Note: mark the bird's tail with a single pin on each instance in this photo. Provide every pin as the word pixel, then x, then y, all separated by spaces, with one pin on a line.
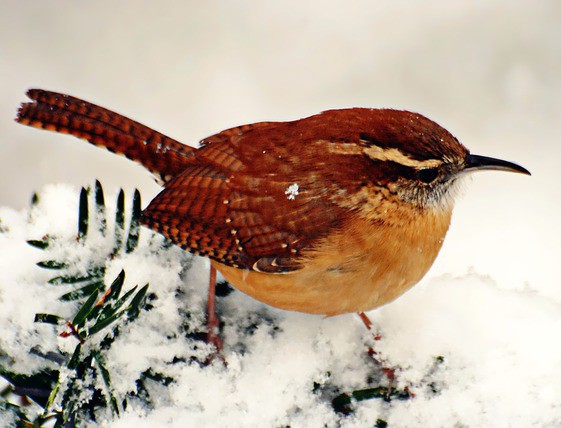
pixel 163 156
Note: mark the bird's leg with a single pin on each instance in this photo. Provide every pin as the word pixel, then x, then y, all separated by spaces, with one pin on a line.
pixel 213 323
pixel 364 318
pixel 376 336
pixel 368 324
pixel 390 373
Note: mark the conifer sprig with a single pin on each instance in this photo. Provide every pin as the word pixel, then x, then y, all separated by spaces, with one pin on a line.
pixel 82 383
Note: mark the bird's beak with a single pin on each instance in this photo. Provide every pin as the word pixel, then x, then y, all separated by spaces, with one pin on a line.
pixel 478 163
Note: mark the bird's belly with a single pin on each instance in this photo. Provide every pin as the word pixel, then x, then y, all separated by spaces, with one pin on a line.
pixel 348 273
pixel 328 292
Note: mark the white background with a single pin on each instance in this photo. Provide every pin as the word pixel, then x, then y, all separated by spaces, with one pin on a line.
pixel 489 71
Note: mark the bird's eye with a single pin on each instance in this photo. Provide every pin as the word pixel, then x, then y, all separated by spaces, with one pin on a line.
pixel 427 175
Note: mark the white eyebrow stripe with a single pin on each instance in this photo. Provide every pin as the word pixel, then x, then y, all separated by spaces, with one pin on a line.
pixel 394 155
pixel 342 148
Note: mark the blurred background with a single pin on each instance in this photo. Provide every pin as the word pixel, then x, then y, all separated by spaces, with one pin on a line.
pixel 487 70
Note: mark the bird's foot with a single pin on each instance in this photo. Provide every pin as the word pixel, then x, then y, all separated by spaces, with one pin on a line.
pixel 372 353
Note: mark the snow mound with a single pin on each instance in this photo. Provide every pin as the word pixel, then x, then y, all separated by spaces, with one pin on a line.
pixel 472 353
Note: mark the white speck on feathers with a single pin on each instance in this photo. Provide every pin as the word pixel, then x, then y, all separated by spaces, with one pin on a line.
pixel 292 191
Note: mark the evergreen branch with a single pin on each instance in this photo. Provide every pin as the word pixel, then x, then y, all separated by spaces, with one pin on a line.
pixel 123 299
pixel 101 324
pixel 100 207
pixel 39 243
pixel 134 228
pixel 48 319
pixel 17 411
pixel 83 214
pixel 86 309
pixel 75 359
pixel 94 273
pixel 106 380
pixel 137 303
pixel 82 292
pixel 116 287
pixel 93 316
pixel 342 402
pixel 52 264
pixel 119 222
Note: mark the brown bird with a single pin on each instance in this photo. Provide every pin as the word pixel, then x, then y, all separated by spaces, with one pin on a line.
pixel 339 212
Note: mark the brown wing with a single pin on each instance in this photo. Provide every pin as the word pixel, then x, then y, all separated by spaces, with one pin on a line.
pixel 247 202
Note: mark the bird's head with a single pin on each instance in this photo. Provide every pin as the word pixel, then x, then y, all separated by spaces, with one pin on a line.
pixel 409 158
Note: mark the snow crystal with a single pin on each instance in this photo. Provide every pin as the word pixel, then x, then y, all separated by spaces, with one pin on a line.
pixel 292 191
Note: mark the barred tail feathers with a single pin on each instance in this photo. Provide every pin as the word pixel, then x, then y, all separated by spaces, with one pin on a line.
pixel 163 156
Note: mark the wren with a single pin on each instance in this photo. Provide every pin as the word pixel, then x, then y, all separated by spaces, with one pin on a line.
pixel 339 212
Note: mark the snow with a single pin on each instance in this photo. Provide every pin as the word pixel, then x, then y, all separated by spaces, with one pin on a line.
pixel 292 191
pixel 488 71
pixel 500 362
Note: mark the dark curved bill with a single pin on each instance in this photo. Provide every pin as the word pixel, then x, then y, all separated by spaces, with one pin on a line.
pixel 478 163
